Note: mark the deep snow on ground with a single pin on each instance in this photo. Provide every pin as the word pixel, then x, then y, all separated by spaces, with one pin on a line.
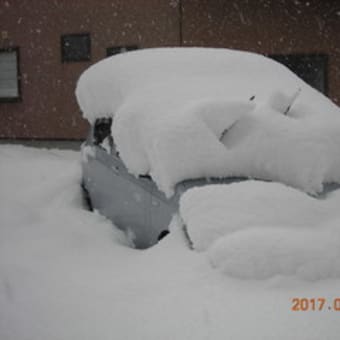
pixel 66 273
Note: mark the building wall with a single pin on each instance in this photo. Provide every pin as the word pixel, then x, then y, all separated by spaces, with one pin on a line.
pixel 268 27
pixel 48 108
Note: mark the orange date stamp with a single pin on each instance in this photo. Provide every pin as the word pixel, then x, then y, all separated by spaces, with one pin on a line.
pixel 315 304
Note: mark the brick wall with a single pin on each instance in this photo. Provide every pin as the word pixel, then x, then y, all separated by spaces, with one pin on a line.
pixel 48 108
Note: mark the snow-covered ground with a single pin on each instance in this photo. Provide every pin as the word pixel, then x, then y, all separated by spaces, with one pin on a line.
pixel 66 273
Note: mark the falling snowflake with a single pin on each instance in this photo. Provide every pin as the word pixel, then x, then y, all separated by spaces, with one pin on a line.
pixel 174 3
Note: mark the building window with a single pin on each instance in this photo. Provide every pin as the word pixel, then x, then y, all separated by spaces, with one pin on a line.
pixel 9 75
pixel 312 68
pixel 120 49
pixel 75 47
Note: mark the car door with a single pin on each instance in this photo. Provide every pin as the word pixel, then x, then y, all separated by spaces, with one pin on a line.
pixel 116 194
pixel 162 211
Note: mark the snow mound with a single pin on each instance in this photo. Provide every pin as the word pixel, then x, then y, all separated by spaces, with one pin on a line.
pixel 256 230
pixel 66 274
pixel 263 253
pixel 183 113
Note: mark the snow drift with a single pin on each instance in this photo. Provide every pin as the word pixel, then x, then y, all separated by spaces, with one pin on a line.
pixel 65 274
pixel 184 113
pixel 256 230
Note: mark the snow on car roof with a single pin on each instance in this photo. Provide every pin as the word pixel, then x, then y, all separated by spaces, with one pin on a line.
pixel 183 113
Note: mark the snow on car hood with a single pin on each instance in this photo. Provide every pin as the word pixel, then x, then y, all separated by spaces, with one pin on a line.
pixel 257 230
pixel 184 113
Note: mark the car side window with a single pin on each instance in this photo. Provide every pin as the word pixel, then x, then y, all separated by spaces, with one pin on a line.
pixel 102 135
pixel 102 129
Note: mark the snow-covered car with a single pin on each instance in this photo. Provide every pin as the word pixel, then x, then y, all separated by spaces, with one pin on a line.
pixel 166 120
pixel 133 203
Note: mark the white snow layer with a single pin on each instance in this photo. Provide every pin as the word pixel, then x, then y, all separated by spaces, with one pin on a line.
pixel 184 113
pixel 257 230
pixel 64 274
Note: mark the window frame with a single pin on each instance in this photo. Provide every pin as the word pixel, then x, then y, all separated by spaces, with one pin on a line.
pixel 64 58
pixel 321 57
pixel 18 98
pixel 127 48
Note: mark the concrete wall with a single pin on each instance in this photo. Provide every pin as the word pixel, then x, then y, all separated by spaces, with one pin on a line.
pixel 48 109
